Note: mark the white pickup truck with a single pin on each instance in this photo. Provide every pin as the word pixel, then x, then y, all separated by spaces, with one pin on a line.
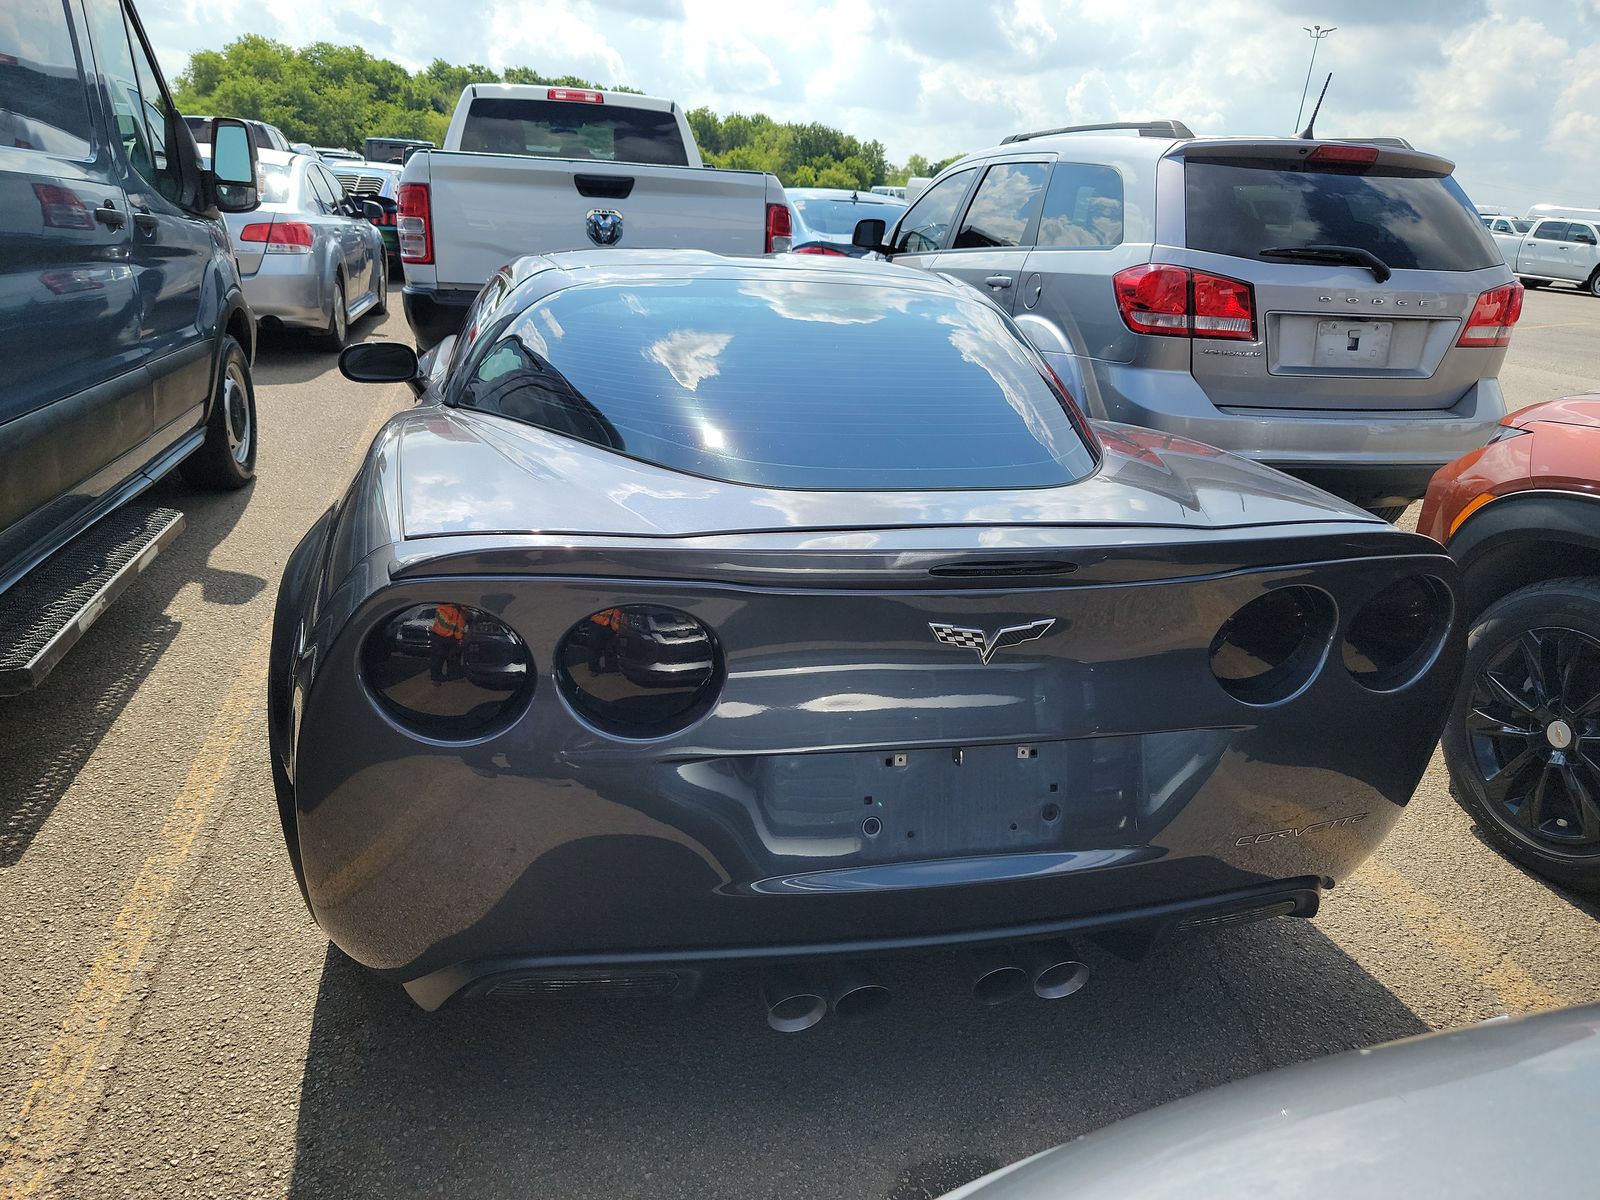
pixel 1555 249
pixel 534 169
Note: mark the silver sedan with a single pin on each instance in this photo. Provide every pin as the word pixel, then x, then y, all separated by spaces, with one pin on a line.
pixel 309 256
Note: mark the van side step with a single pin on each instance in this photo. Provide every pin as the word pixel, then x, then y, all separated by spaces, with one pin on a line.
pixel 45 613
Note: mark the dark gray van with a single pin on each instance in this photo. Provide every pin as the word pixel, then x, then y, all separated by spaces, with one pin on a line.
pixel 125 340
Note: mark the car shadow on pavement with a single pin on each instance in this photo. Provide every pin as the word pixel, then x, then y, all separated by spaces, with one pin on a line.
pixel 289 356
pixel 563 1098
pixel 47 735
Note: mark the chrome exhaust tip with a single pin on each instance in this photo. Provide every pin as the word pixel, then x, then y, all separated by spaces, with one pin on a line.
pixel 795 1000
pixel 997 976
pixel 855 992
pixel 1056 970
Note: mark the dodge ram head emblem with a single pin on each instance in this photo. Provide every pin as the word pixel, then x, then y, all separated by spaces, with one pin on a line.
pixel 983 644
pixel 604 226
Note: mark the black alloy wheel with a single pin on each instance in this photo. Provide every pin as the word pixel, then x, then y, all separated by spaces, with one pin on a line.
pixel 1523 744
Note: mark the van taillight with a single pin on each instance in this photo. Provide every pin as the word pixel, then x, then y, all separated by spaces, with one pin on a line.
pixel 1177 302
pixel 780 236
pixel 413 225
pixel 1496 311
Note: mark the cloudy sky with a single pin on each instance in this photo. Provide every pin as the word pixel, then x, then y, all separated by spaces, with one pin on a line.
pixel 1511 92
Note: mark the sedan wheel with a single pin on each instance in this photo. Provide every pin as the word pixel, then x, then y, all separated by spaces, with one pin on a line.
pixel 1524 742
pixel 338 331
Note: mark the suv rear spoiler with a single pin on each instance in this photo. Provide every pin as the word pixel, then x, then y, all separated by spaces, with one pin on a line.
pixel 1161 129
pixel 1391 157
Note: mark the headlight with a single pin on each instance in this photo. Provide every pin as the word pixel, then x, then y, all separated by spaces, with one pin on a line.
pixel 448 670
pixel 1271 648
pixel 639 670
pixel 1396 633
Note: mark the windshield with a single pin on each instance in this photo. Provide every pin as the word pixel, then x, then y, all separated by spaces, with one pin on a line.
pixel 787 384
pixel 840 216
pixel 573 129
pixel 1423 223
pixel 273 180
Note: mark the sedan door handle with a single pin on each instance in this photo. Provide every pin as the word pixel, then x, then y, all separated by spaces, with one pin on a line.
pixel 108 216
pixel 998 281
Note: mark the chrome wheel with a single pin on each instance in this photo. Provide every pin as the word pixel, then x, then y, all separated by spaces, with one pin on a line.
pixel 1533 734
pixel 236 414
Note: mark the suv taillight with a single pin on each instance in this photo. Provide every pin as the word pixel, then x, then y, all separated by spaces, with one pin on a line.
pixel 780 236
pixel 1177 302
pixel 1496 311
pixel 412 224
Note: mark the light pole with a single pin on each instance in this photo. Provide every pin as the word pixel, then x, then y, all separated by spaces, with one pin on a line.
pixel 1317 33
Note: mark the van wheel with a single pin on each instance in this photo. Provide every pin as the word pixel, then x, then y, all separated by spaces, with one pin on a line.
pixel 226 460
pixel 1523 740
pixel 337 333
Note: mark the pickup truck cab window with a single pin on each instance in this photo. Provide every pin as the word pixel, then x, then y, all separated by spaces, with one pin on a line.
pixel 573 129
pixel 1582 234
pixel 925 224
pixel 43 105
pixel 1003 210
pixel 1551 231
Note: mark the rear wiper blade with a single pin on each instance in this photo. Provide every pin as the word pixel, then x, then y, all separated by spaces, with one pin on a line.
pixel 1354 255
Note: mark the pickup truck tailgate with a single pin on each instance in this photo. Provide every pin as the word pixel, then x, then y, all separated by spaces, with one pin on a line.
pixel 489 208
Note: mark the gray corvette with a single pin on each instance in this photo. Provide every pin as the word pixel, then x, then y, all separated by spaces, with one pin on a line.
pixel 787 612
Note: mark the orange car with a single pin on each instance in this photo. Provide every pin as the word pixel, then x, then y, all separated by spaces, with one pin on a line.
pixel 1522 517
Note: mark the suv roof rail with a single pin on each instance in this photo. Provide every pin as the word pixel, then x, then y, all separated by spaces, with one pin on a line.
pixel 1165 129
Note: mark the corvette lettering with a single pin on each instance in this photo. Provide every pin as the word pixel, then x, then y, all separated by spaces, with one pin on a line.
pixel 1292 834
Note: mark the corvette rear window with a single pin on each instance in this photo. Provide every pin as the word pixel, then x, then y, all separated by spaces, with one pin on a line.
pixel 786 383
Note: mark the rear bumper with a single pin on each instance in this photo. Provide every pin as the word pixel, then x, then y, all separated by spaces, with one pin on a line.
pixel 1367 457
pixel 1127 932
pixel 288 288
pixel 434 315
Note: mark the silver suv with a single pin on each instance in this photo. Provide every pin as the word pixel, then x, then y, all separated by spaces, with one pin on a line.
pixel 1334 309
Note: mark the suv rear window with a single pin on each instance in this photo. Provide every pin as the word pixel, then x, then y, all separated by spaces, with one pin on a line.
pixel 573 129
pixel 1410 222
pixel 786 383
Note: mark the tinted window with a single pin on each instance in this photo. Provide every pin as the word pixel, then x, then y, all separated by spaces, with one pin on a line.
pixel 840 216
pixel 573 129
pixel 928 220
pixel 157 112
pixel 1083 207
pixel 42 101
pixel 1004 206
pixel 1551 231
pixel 1410 222
pixel 1580 233
pixel 788 383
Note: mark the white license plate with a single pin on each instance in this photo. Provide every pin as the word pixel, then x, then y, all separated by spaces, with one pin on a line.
pixel 1352 344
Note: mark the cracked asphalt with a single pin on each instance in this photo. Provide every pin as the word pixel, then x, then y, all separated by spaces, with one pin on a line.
pixel 172 1024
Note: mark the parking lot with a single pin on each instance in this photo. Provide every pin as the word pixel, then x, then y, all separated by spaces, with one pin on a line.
pixel 176 1025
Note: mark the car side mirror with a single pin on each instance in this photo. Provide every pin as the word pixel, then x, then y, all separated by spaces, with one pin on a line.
pixel 869 234
pixel 379 362
pixel 233 166
pixel 372 211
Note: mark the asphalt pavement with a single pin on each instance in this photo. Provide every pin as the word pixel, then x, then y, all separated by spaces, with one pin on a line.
pixel 172 1024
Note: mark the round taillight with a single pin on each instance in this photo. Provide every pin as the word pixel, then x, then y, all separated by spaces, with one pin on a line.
pixel 1396 634
pixel 1271 648
pixel 640 670
pixel 448 670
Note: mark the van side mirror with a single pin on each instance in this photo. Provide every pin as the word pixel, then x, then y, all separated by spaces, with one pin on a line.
pixel 869 234
pixel 379 362
pixel 233 166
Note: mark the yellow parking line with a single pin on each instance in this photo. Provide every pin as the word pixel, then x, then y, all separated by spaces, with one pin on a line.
pixel 58 1093
pixel 54 1095
pixel 1512 985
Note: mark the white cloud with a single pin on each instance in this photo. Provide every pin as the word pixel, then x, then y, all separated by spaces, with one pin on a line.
pixel 1509 92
